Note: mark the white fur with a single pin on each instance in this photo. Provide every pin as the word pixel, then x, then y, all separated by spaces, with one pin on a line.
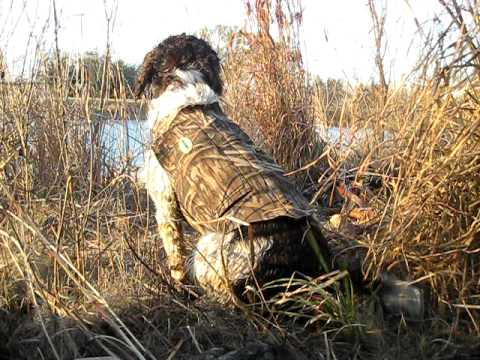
pixel 157 183
pixel 194 92
pixel 205 257
pixel 216 255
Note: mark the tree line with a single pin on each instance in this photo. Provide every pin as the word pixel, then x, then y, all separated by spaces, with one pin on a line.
pixel 90 73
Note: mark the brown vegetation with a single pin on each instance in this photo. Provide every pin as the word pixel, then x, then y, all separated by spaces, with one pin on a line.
pixel 81 269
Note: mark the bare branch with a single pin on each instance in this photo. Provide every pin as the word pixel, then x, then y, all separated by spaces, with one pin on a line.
pixel 379 34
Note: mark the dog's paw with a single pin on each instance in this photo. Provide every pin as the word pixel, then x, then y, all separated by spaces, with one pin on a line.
pixel 178 275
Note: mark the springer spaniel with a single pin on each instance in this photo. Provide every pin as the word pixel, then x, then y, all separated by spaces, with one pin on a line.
pixel 202 168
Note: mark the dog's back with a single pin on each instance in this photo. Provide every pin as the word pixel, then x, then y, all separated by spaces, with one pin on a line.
pixel 220 176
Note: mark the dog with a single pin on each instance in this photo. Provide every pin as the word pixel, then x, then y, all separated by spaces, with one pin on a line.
pixel 254 226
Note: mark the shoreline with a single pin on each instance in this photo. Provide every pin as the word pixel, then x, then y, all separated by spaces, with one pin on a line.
pixel 115 109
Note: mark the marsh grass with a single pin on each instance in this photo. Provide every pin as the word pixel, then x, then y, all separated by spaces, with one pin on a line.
pixel 282 121
pixel 82 271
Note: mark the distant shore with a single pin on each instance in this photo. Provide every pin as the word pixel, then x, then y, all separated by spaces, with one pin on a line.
pixel 116 108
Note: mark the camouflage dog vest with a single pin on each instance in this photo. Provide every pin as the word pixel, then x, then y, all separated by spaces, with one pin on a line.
pixel 219 177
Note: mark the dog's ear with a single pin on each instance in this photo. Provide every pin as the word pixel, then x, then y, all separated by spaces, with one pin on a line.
pixel 146 73
pixel 169 64
pixel 153 63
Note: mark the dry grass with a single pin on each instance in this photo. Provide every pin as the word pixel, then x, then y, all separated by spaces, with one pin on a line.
pixel 81 268
pixel 282 120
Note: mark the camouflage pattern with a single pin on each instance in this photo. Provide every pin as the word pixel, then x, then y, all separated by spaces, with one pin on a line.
pixel 221 180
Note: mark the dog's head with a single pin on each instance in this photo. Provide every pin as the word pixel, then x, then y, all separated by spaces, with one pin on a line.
pixel 179 52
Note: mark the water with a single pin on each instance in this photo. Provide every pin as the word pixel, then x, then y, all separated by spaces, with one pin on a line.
pixel 126 140
pixel 345 137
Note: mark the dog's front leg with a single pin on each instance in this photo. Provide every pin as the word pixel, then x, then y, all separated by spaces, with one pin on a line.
pixel 170 230
pixel 167 214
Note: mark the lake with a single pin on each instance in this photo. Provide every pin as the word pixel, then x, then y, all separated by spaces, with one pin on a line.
pixel 126 139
